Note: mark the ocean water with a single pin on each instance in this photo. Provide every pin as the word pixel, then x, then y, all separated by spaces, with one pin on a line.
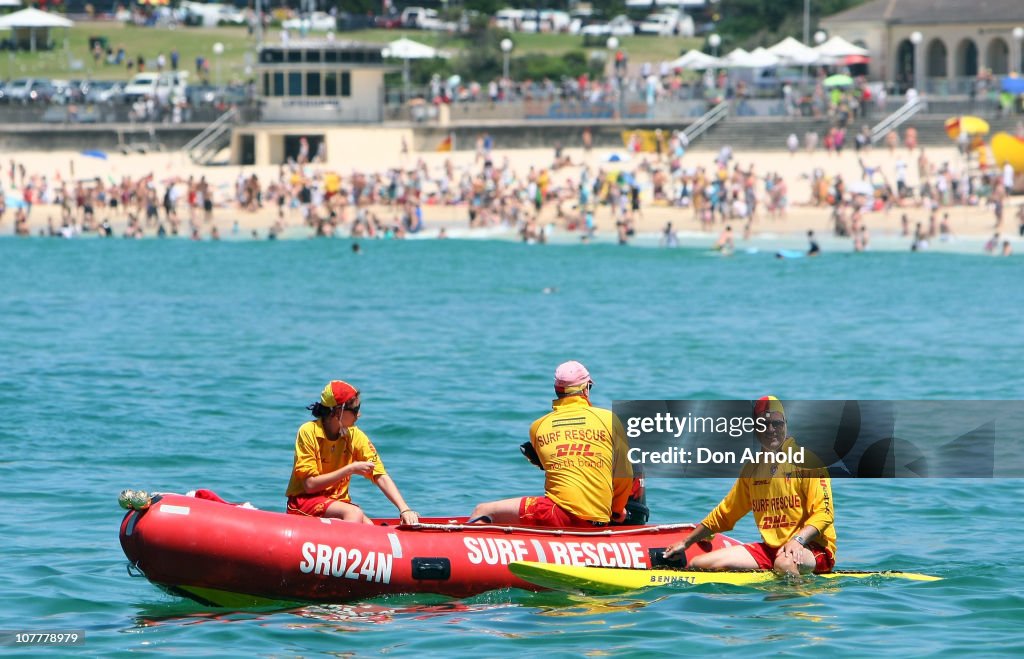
pixel 172 365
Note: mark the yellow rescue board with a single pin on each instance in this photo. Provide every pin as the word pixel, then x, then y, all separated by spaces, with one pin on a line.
pixel 609 580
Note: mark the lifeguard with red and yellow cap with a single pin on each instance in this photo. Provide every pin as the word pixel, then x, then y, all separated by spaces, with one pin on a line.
pixel 328 452
pixel 583 452
pixel 792 505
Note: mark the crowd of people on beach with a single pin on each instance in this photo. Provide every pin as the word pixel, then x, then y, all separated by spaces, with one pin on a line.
pixel 579 196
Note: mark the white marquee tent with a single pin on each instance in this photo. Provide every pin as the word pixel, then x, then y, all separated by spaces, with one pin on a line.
pixel 696 60
pixel 792 52
pixel 837 48
pixel 741 59
pixel 766 56
pixel 32 26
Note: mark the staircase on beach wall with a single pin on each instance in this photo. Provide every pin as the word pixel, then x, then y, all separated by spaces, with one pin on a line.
pixel 202 148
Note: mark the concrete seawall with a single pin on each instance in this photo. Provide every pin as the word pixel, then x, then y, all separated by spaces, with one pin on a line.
pixel 105 137
pixel 739 132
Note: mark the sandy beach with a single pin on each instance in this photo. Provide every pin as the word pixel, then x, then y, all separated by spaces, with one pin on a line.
pixel 971 225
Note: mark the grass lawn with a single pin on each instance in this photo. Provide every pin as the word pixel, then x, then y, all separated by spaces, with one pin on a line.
pixel 77 62
pixel 640 49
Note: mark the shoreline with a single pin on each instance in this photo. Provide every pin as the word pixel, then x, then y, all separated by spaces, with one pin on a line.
pixel 783 245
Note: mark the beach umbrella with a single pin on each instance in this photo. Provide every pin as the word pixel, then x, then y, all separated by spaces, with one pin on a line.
pixel 616 157
pixel 95 153
pixel 839 80
pixel 966 124
pixel 12 201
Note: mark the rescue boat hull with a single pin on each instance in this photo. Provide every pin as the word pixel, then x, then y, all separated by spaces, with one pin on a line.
pixel 228 555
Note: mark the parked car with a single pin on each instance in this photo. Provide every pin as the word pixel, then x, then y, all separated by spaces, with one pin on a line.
pixel 29 90
pixel 554 21
pixel 141 86
pixel 67 91
pixel 508 19
pixel 104 91
pixel 661 25
pixel 207 95
pixel 211 14
pixel 667 23
pixel 162 86
pixel 388 21
pixel 620 26
pixel 418 17
pixel 318 21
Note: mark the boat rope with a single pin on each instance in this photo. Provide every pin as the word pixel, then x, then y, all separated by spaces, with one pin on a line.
pixel 607 532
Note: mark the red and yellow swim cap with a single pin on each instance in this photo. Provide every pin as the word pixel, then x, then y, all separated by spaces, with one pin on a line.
pixel 337 392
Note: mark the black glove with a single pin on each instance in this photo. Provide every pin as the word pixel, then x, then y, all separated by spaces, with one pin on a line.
pixel 530 453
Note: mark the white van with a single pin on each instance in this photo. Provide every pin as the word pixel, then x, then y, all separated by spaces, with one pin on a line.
pixel 164 87
pixel 554 21
pixel 667 23
pixel 141 86
pixel 508 19
pixel 419 18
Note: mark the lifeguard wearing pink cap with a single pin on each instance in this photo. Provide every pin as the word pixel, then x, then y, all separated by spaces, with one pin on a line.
pixel 571 374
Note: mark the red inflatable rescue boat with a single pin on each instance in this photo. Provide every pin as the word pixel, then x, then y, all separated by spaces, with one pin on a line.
pixel 227 555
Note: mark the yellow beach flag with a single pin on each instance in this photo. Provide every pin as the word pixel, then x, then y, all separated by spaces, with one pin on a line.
pixel 447 144
pixel 640 141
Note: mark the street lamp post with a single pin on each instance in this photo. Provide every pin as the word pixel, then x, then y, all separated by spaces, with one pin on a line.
pixel 613 44
pixel 218 50
pixel 714 40
pixel 819 38
pixel 506 48
pixel 1018 36
pixel 916 38
pixel 807 39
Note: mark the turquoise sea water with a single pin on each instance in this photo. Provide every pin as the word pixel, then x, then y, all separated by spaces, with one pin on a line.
pixel 175 365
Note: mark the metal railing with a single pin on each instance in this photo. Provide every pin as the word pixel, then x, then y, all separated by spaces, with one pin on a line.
pixel 896 119
pixel 709 119
pixel 79 114
pixel 201 147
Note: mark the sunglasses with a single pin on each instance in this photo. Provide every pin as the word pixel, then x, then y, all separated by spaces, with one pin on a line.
pixel 354 409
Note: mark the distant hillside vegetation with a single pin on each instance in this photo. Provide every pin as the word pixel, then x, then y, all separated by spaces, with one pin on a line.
pixel 751 23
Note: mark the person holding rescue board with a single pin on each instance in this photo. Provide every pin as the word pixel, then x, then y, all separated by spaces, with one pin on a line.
pixel 792 505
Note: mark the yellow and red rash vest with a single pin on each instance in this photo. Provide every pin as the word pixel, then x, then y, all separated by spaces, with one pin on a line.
pixel 784 501
pixel 316 455
pixel 583 451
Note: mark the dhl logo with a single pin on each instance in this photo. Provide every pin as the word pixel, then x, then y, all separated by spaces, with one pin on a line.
pixel 776 522
pixel 564 450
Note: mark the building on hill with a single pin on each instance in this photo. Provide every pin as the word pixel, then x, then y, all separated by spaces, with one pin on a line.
pixel 953 39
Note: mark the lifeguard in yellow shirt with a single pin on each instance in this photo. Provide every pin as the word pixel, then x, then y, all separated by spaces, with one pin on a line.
pixel 583 452
pixel 328 452
pixel 792 506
